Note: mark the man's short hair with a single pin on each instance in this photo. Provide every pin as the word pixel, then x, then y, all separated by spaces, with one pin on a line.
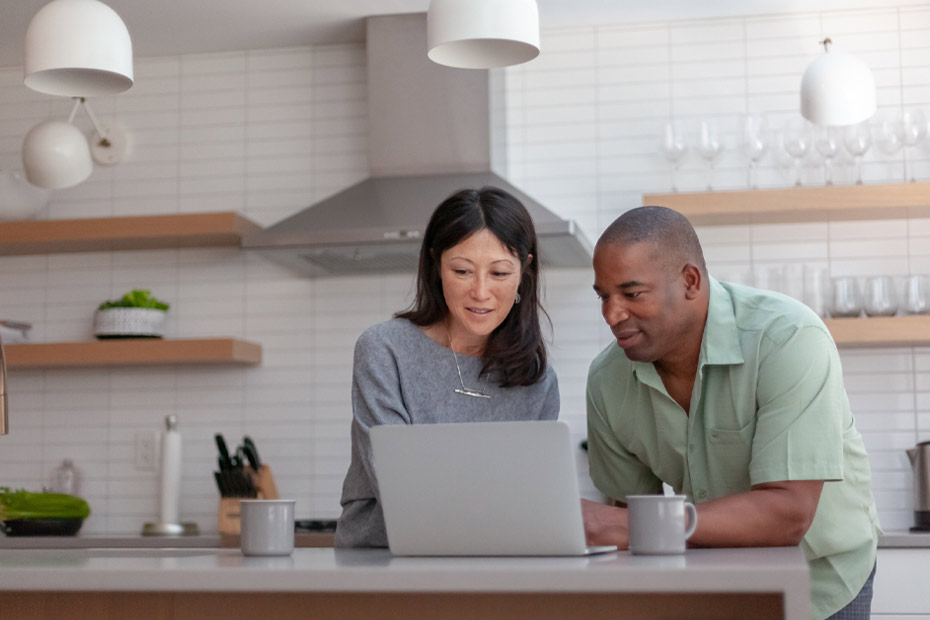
pixel 673 238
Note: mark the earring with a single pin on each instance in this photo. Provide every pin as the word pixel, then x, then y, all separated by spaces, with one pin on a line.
pixel 517 299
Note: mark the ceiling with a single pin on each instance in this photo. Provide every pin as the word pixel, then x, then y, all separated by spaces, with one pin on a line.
pixel 169 27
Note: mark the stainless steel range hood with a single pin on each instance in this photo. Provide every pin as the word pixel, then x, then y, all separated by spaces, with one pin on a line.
pixel 431 132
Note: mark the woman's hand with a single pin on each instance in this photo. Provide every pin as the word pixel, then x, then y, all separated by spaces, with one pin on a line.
pixel 605 525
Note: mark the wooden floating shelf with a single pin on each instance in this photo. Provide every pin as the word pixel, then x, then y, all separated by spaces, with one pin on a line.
pixel 885 331
pixel 800 204
pixel 133 351
pixel 149 232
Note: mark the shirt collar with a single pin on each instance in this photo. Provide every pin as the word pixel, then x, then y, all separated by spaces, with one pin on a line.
pixel 720 345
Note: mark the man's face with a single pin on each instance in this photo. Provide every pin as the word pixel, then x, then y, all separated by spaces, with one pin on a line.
pixel 643 302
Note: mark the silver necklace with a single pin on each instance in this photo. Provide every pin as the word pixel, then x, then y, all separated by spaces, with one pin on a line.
pixel 464 390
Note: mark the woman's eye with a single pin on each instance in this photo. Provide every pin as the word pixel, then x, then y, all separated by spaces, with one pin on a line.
pixel 500 274
pixel 461 272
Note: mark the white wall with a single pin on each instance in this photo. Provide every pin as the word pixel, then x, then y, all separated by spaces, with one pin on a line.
pixel 267 133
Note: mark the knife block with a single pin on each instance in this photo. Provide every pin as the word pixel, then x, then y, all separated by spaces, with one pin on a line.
pixel 228 520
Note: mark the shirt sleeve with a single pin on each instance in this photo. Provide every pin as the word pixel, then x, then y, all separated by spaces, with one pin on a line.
pixel 376 399
pixel 615 471
pixel 800 407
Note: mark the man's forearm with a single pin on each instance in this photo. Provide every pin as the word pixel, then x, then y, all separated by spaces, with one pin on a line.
pixel 770 515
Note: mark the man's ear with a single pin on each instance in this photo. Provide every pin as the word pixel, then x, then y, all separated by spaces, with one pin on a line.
pixel 693 280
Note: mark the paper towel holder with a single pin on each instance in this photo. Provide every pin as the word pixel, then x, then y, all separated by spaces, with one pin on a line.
pixel 162 527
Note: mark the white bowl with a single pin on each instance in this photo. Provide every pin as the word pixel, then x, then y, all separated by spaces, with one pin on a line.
pixel 129 323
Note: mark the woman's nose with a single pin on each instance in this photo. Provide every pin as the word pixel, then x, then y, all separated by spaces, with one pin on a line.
pixel 479 289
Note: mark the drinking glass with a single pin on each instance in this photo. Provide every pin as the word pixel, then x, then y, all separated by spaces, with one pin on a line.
pixel 880 298
pixel 709 147
pixel 858 139
pixel 817 289
pixel 914 129
pixel 796 137
pixel 826 141
pixel 753 144
pixel 846 301
pixel 674 149
pixel 916 295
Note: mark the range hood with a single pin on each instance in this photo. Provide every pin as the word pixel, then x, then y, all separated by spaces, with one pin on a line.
pixel 431 133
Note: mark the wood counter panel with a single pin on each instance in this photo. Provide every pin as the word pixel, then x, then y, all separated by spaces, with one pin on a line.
pixel 371 606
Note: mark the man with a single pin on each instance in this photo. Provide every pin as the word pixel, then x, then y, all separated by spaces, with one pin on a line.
pixel 734 397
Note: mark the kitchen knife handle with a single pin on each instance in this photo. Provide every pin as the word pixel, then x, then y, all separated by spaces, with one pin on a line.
pixel 225 462
pixel 252 453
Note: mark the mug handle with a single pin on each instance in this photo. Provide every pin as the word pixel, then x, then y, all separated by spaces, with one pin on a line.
pixel 692 519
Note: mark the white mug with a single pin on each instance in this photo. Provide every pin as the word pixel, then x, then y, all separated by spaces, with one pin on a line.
pixel 657 523
pixel 267 527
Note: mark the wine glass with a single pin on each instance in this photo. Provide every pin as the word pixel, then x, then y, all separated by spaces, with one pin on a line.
pixel 914 128
pixel 753 144
pixel 858 139
pixel 796 137
pixel 827 144
pixel 709 147
pixel 674 149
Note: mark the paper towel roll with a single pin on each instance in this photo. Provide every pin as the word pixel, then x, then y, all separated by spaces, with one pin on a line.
pixel 170 470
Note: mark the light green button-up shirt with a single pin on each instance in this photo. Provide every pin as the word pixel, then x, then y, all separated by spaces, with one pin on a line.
pixel 768 405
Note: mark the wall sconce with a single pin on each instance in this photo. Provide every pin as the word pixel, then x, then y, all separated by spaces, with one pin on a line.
pixel 56 154
pixel 482 34
pixel 77 48
pixel 837 89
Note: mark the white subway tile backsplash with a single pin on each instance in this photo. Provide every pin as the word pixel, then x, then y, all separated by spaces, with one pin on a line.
pixel 269 132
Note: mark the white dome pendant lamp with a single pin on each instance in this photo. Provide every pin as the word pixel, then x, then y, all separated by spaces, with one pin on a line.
pixel 77 48
pixel 837 89
pixel 482 34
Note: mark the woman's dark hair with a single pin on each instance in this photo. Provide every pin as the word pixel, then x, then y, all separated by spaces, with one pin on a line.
pixel 515 351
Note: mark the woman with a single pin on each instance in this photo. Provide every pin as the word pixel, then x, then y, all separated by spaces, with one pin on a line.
pixel 469 349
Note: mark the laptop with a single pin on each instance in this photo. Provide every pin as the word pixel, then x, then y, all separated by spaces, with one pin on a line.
pixel 480 489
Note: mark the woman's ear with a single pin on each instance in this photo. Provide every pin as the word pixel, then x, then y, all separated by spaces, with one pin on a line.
pixel 528 261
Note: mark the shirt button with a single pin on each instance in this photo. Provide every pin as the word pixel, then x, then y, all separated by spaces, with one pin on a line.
pixel 690 447
pixel 702 493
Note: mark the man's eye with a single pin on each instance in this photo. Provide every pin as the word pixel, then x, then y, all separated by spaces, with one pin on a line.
pixel 633 295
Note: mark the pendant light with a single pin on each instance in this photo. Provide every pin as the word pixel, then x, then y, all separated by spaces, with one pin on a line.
pixel 482 34
pixel 77 48
pixel 837 89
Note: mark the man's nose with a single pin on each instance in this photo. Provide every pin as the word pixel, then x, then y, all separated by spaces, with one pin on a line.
pixel 615 311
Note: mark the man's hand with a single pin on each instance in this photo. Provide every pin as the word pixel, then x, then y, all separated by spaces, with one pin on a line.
pixel 605 525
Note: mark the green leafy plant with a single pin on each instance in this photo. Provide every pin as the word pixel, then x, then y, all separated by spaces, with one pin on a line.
pixel 136 298
pixel 21 504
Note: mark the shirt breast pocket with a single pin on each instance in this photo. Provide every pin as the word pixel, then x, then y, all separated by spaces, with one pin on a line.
pixel 729 454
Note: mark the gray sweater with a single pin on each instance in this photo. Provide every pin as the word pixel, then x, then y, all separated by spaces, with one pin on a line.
pixel 401 376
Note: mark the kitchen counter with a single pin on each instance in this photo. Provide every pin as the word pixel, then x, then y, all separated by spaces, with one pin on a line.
pixel 903 538
pixel 332 583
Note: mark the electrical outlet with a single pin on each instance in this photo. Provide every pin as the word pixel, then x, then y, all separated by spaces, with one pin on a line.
pixel 146 450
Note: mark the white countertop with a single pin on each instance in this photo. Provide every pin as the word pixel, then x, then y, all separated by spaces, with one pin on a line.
pixel 330 570
pixel 311 571
pixel 904 538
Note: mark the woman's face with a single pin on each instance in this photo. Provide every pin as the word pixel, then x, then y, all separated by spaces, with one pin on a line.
pixel 480 277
